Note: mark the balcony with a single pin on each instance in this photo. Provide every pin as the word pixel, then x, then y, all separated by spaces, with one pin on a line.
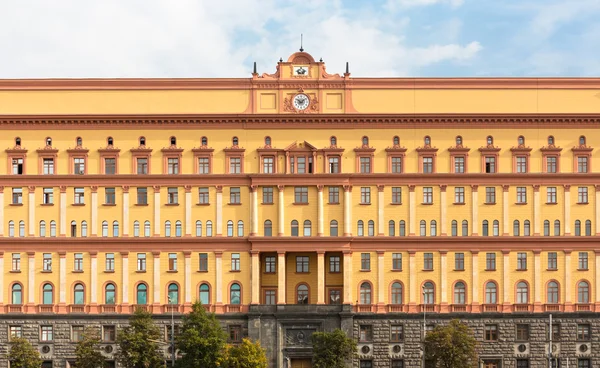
pixel 77 308
pixel 233 308
pixel 109 308
pixel 143 307
pixel 522 308
pixel 45 308
pixel 491 308
pixel 552 308
pixel 14 308
pixel 459 308
pixel 428 308
pixel 171 308
pixel 583 307
pixel 364 308
pixel 207 307
pixel 395 308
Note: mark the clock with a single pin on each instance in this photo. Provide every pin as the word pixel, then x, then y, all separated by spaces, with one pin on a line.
pixel 301 101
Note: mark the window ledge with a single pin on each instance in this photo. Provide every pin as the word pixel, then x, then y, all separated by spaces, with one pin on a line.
pixel 77 271
pixel 300 203
pixel 140 271
pixel 551 203
pixel 396 270
pixel 171 204
pixel 459 203
pixel 490 203
pixel 425 270
pixel 235 271
pixel 520 203
pixel 427 204
pixel 109 271
pixel 459 269
pixel 16 204
pixel 551 269
pixel 172 271
pixel 15 271
pixel 47 204
pixel 365 204
pixel 490 269
pixel 109 204
pixel 202 271
pixel 395 204
pixel 583 269
pixel 365 270
pixel 583 203
pixel 202 204
pixel 141 204
pixel 46 271
pixel 334 203
pixel 234 204
pixel 521 269
pixel 78 204
pixel 267 204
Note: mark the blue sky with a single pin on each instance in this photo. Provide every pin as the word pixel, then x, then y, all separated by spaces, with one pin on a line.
pixel 392 38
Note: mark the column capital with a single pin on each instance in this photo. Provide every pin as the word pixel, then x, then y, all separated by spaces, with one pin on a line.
pixel 411 252
pixel 30 254
pixel 347 252
pixel 474 252
pixel 380 252
pixel 505 251
pixel 1 253
pixel 380 188
pixel 320 251
pixel 1 189
pixel 187 253
pixel 63 188
pixel 505 188
pixel 537 252
pixel 567 187
pixel 443 188
pixel 567 251
pixel 443 252
pixel 597 187
pixel 281 252
pixel 253 188
pixel 156 188
pixel 411 188
pixel 218 253
pixel 474 187
pixel 156 253
pixel 31 189
pixel 93 253
pixel 188 188
pixel 281 188
pixel 597 251
pixel 347 188
pixel 62 254
pixel 255 252
pixel 94 188
pixel 125 189
pixel 536 188
pixel 320 188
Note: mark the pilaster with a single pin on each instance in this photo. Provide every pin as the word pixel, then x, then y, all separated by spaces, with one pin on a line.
pixel 31 289
pixel 567 210
pixel 62 283
pixel 255 278
pixel 63 212
pixel 125 277
pixel 381 282
pixel 537 281
pixel 281 277
pixel 321 276
pixel 281 212
pixel 1 280
pixel 254 211
pixel 94 277
pixel 156 211
pixel 380 210
pixel 156 285
pixel 219 208
pixel 412 210
pixel 568 304
pixel 443 210
pixel 348 282
pixel 94 209
pixel 1 212
pixel 444 280
pixel 475 209
pixel 125 189
pixel 537 211
pixel 475 307
pixel 30 212
pixel 506 287
pixel 347 211
pixel 188 210
pixel 320 211
pixel 187 306
pixel 219 308
pixel 505 221
pixel 412 281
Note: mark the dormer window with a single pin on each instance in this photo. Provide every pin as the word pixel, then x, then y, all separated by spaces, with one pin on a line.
pixel 110 142
pixel 49 141
pixel 18 142
pixel 173 141
pixel 396 141
pixel 78 141
pixel 551 141
pixel 333 141
pixel 459 141
pixel 204 142
pixel 521 140
pixel 267 141
pixel 365 141
pixel 142 141
pixel 490 140
pixel 235 141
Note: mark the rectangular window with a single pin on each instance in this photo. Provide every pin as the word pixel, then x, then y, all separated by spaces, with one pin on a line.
pixel 173 165
pixel 582 195
pixel 552 261
pixel 203 264
pixel 521 164
pixel 234 195
pixel 335 296
pixel 301 168
pixel 141 262
pixel 172 261
pixel 270 264
pixel 235 333
pixel 491 333
pixel 235 165
pixel 77 333
pixel 427 165
pixel 110 166
pixel 334 264
pixel 490 195
pixel 235 261
pixel 16 262
pixel 110 262
pixel 583 260
pixel 459 261
pixel 584 363
pixel 428 195
pixel 397 165
pixel 268 165
pixel 521 195
pixel 396 195
pixel 302 264
pixel 397 261
pixel 365 165
pixel 47 333
pixel 365 364
pixel 79 166
pixel 270 297
pixel 78 266
pixel 490 261
pixel 521 261
pixel 551 164
pixel 172 195
pixel 203 195
pixel 459 195
pixel 17 195
pixel 267 195
pixel 365 333
pixel 522 363
pixel 78 196
pixel 203 165
pixel 109 195
pixel 490 165
pixel 522 332
pixel 365 262
pixel 555 332
pixel 17 165
pixel 582 164
pixel 334 165
pixel 47 264
pixel 459 165
pixel 109 333
pixel 428 261
pixel 551 195
pixel 16 331
pixel 142 195
pixel 300 194
pixel 365 195
pixel 142 165
pixel 334 195
pixel 396 333
pixel 48 166
pixel 397 363
pixel 583 332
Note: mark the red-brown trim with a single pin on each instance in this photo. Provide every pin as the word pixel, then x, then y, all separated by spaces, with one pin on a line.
pixel 44 153
pixel 140 152
pixel 109 152
pixel 202 152
pixel 234 152
pixel 520 151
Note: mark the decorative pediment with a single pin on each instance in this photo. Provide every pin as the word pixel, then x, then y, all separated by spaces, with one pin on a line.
pixel 551 148
pixel 16 149
pixel 47 150
pixel 582 148
pixel 490 148
pixel 142 148
pixel 302 146
pixel 396 149
pixel 427 149
pixel 521 149
pixel 172 149
pixel 78 149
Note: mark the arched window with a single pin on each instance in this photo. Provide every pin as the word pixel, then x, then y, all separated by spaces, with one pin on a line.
pixel 423 227
pixel 454 228
pixel 307 228
pixel 360 228
pixel 230 228
pixel 465 228
pixel 147 229
pixel 73 228
pixel 105 228
pixel 17 294
pixel 53 228
pixel 583 292
pixel 21 228
pixel 485 228
pixel 42 228
pixel 522 293
pixel 294 228
pixel 18 142
pixel 490 140
pixel 110 141
pixel 556 227
pixel 240 228
pixel 11 228
pixel 204 141
pixel 491 293
pixel 365 293
pixel 550 140
pixel 204 294
pixel 110 294
pixel 235 294
pixel 396 141
pixel 178 230
pixel 142 294
pixel 173 141
pixel 78 294
pixel 84 228
pixel 142 141
pixel 47 294
pixel 267 141
pixel 198 228
pixel 333 141
pixel 582 140
pixel 78 141
pixel 302 294
pixel 115 228
pixel 521 140
pixel 588 228
pixel 396 293
pixel 459 141
pixel 235 141
pixel 365 141
pixel 167 228
pixel 371 227
pixel 136 229
pixel 209 228
pixel 391 228
pixel 428 293
pixel 402 227
pixel 552 295
pixel 460 293
pixel 268 228
pixel 432 228
pixel 577 228
pixel 173 295
pixel 48 141
pixel 516 228
pixel 333 228
pixel 496 228
pixel 427 141
pixel 526 228
pixel 546 228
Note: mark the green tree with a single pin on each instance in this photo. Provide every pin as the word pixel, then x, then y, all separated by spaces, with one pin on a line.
pixel 248 354
pixel 201 341
pixel 332 349
pixel 87 350
pixel 451 346
pixel 22 354
pixel 138 343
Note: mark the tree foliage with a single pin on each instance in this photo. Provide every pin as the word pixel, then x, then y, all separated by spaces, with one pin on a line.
pixel 138 343
pixel 201 341
pixel 451 346
pixel 22 354
pixel 87 350
pixel 332 349
pixel 248 354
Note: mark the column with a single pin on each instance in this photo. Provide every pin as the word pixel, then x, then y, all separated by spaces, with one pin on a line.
pixel 567 210
pixel 219 206
pixel 475 283
pixel 347 210
pixel 597 209
pixel 1 212
pixel 219 281
pixel 443 210
pixel 63 212
pixel 348 283
pixel 94 277
pixel 475 208
pixel 281 212
pixel 156 287
pixel 31 289
pixel 156 204
pixel 537 281
pixel 31 213
pixel 254 204
pixel 380 213
pixel 567 268
pixel 94 217
pixel 537 211
pixel 505 221
pixel 444 281
pixel 381 288
pixel 187 306
pixel 125 206
pixel 255 279
pixel 188 210
pixel 596 282
pixel 412 210
pixel 2 280
pixel 412 281
pixel 280 277
pixel 320 214
pixel 506 286
pixel 125 278
pixel 62 282
pixel 320 277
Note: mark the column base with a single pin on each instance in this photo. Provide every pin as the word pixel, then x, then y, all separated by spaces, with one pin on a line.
pixel 444 308
pixel 320 303
pixel 381 308
pixel 156 308
pixel 412 308
pixel 125 308
pixel 538 307
pixel 319 234
pixel 251 234
pixel 219 308
pixel 61 308
pixel 29 308
pixel 62 235
pixel 475 307
pixel 279 234
pixel 569 307
pixel 93 308
pixel 507 308
pixel 187 307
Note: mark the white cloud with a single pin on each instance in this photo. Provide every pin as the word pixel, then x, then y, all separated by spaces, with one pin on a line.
pixel 551 16
pixel 395 4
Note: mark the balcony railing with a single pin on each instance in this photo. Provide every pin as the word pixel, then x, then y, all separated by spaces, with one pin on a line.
pixel 428 308
pixel 233 308
pixel 171 308
pixel 395 308
pixel 583 307
pixel 363 308
pixel 109 308
pixel 491 308
pixel 143 307
pixel 458 308
pixel 45 308
pixel 207 307
pixel 552 308
pixel 77 308
pixel 15 308
pixel 521 308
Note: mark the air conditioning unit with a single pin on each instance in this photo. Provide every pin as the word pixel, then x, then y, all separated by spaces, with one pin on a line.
pixel 555 349
pixel 522 349
pixel 395 349
pixel 46 350
pixel 584 349
pixel 365 350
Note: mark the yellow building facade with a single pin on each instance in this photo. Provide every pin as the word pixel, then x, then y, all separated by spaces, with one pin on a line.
pixel 394 195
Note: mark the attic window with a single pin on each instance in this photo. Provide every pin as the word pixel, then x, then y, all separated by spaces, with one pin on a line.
pixel 110 141
pixel 142 141
pixel 48 141
pixel 18 142
pixel 204 141
pixel 173 141
pixel 78 141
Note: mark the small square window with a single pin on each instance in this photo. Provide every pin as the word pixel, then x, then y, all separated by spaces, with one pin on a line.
pixel 203 259
pixel 235 261
pixel 77 333
pixel 109 333
pixel 172 195
pixel 365 261
pixel 491 333
pixel 396 333
pixel 522 332
pixel 267 195
pixel 235 195
pixel 366 333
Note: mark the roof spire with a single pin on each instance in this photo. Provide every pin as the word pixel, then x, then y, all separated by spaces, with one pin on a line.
pixel 301 48
pixel 347 68
pixel 254 72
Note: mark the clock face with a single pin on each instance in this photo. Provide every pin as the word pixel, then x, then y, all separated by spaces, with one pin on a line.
pixel 301 101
